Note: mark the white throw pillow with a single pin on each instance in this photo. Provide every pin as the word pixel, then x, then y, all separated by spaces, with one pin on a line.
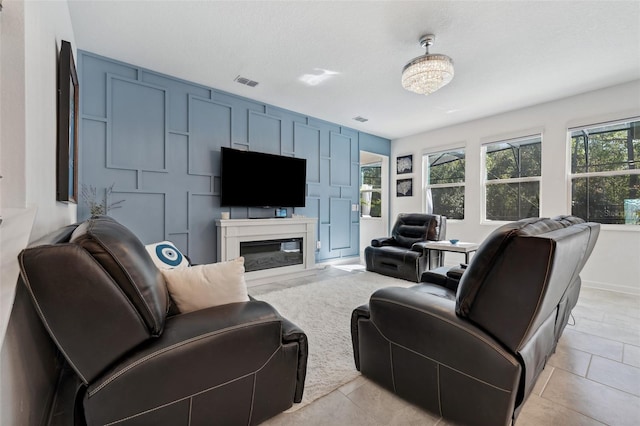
pixel 203 286
pixel 166 255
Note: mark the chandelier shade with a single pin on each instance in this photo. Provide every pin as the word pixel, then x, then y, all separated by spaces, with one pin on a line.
pixel 429 72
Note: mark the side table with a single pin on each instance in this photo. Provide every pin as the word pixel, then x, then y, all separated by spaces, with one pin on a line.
pixel 459 247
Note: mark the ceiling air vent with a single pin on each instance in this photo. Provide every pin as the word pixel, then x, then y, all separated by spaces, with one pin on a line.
pixel 246 81
pixel 360 119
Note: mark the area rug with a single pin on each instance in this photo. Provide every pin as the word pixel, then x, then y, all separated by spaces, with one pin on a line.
pixel 323 310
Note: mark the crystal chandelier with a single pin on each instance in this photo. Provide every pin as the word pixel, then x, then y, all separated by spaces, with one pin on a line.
pixel 427 73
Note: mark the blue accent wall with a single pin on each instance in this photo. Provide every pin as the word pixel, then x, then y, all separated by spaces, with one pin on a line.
pixel 157 140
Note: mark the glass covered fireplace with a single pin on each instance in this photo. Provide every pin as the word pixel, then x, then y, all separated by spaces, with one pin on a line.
pixel 268 254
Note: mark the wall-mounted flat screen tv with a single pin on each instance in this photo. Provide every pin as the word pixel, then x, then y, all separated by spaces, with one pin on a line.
pixel 256 179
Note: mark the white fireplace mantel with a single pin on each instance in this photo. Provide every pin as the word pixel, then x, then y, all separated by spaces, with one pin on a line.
pixel 232 232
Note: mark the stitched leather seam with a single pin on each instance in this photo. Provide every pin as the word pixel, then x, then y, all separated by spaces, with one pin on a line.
pixel 174 346
pixel 46 323
pixel 473 293
pixel 115 285
pixel 197 393
pixel 157 327
pixel 393 377
pixel 142 413
pixel 439 395
pixel 253 398
pixel 499 350
pixel 438 363
pixel 542 293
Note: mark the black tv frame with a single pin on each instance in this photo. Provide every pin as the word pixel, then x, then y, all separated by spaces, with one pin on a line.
pixel 258 179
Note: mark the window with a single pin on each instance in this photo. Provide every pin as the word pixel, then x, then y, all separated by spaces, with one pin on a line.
pixel 605 179
pixel 444 183
pixel 371 190
pixel 512 181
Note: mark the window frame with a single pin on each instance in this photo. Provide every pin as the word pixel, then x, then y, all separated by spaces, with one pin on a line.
pixel 426 173
pixel 484 181
pixel 610 173
pixel 372 190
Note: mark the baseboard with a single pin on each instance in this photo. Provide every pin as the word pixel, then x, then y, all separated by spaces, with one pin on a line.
pixel 612 287
pixel 341 260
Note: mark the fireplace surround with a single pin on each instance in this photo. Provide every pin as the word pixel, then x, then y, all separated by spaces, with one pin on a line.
pixel 273 248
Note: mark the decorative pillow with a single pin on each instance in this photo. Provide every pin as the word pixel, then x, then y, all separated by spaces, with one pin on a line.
pixel 203 286
pixel 166 255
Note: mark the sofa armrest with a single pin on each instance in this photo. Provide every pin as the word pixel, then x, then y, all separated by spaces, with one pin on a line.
pixel 359 312
pixel 438 334
pixel 383 241
pixel 291 333
pixel 436 257
pixel 435 276
pixel 448 277
pixel 237 346
pixel 456 272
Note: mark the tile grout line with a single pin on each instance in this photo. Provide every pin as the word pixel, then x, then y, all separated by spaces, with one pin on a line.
pixel 586 373
pixel 553 369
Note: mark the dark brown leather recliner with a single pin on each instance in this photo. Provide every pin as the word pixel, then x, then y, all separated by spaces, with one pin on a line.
pixel 105 305
pixel 473 356
pixel 402 255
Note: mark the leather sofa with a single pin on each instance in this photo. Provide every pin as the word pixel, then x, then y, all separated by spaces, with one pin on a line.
pixel 128 361
pixel 402 255
pixel 472 355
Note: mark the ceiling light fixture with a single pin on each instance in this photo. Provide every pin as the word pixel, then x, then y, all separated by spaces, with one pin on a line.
pixel 429 72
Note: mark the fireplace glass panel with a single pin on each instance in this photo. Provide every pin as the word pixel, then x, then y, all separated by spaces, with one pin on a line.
pixel 268 254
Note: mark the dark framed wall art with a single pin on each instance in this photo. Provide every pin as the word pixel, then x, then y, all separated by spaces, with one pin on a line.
pixel 67 142
pixel 404 164
pixel 404 187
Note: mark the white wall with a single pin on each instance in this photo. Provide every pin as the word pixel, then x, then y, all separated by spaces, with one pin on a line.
pixel 31 34
pixel 46 25
pixel 615 262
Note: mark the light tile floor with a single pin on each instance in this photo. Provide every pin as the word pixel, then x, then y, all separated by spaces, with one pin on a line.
pixel 592 379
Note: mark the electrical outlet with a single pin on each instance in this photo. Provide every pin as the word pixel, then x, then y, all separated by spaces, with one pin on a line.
pixel 318 245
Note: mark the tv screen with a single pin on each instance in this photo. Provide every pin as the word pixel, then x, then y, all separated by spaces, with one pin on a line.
pixel 256 179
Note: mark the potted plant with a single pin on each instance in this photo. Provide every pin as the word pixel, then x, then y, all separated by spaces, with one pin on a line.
pixel 99 207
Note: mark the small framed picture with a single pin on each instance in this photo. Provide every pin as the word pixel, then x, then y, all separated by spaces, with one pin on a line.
pixel 404 187
pixel 404 164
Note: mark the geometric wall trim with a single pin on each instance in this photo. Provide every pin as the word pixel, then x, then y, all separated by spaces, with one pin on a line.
pixel 265 133
pixel 156 140
pixel 340 146
pixel 339 239
pixel 209 130
pixel 306 141
pixel 138 144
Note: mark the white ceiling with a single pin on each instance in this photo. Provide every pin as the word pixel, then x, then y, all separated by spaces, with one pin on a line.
pixel 507 54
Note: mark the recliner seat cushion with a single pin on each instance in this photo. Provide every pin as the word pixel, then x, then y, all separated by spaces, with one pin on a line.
pixel 396 254
pixel 125 259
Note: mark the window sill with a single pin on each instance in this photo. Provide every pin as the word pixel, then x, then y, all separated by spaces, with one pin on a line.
pixel 620 228
pixel 603 227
